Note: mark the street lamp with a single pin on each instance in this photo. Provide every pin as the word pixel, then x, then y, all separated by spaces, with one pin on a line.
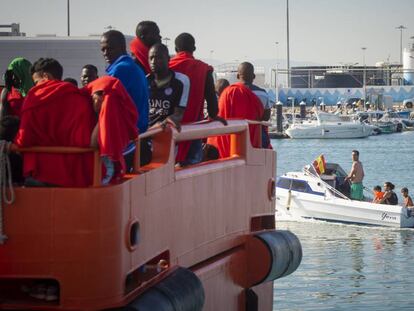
pixel 166 39
pixel 277 52
pixel 363 55
pixel 276 72
pixel 401 28
pixel 68 13
pixel 211 54
pixel 287 39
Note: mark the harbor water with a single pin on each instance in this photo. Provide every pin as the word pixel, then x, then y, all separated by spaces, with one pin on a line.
pixel 351 267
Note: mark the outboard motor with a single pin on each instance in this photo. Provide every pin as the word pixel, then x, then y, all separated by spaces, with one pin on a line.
pixel 407 218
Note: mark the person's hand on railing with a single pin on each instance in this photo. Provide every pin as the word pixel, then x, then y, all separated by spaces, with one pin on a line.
pixel 173 122
pixel 220 119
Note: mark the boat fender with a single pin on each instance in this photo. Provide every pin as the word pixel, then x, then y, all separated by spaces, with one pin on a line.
pixel 272 255
pixel 181 291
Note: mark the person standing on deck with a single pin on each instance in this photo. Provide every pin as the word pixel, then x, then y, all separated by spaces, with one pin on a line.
pixel 238 101
pixel 147 34
pixel 221 85
pixel 246 76
pixel 201 88
pixel 168 89
pixel 123 67
pixel 18 82
pixel 355 176
pixel 89 73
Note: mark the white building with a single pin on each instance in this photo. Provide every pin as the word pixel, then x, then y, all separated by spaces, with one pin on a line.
pixel 71 52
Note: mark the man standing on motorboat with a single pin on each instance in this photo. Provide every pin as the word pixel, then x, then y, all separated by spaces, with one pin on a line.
pixel 355 176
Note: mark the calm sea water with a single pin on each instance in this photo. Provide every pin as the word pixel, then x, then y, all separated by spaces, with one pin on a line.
pixel 347 267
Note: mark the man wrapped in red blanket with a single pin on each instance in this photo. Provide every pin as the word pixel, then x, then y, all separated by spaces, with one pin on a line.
pixel 117 119
pixel 55 113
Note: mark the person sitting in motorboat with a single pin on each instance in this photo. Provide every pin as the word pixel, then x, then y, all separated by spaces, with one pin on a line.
pixel 378 194
pixel 389 197
pixel 407 201
pixel 355 176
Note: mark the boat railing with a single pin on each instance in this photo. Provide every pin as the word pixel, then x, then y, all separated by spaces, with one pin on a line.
pixel 97 166
pixel 237 129
pixel 329 187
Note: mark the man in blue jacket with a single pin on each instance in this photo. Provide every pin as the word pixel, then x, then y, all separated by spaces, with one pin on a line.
pixel 123 67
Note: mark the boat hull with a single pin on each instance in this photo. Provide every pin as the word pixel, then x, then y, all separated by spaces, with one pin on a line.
pixel 325 131
pixel 191 233
pixel 341 210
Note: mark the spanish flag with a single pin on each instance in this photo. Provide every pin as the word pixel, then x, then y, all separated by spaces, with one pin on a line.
pixel 319 164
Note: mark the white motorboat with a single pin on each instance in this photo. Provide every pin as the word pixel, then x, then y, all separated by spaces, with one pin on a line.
pixel 329 125
pixel 306 194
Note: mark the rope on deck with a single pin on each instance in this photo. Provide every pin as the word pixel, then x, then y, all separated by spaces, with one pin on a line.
pixel 6 183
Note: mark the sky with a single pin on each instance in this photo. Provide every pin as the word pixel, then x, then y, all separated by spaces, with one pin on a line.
pixel 326 32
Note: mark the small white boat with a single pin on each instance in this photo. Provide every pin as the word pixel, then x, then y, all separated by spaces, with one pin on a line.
pixel 306 194
pixel 329 125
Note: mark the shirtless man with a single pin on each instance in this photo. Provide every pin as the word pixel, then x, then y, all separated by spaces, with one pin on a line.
pixel 355 176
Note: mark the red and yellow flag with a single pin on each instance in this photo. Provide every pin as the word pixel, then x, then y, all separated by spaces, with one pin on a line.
pixel 319 164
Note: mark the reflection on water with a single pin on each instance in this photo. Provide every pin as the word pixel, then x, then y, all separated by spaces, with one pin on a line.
pixel 347 267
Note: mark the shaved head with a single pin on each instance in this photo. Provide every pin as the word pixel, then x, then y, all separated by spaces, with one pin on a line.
pixel 245 72
pixel 185 42
pixel 148 32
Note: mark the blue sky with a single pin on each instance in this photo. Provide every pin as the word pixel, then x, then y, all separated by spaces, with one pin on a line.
pixel 322 31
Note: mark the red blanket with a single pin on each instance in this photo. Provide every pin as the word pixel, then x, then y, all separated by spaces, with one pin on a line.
pixel 196 71
pixel 56 113
pixel 15 100
pixel 140 50
pixel 117 119
pixel 238 102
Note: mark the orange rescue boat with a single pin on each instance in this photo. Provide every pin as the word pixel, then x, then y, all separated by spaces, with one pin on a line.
pixel 165 238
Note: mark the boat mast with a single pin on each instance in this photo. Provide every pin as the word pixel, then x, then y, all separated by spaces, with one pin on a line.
pixel 68 12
